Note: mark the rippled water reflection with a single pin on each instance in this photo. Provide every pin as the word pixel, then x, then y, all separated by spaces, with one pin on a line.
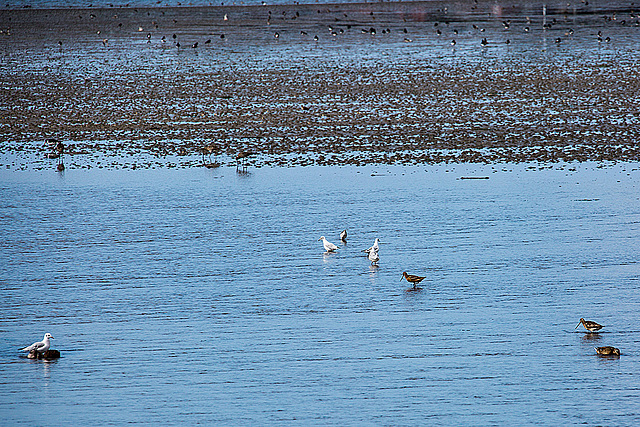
pixel 204 296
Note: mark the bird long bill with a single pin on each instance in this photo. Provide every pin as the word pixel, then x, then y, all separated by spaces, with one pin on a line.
pixel 577 325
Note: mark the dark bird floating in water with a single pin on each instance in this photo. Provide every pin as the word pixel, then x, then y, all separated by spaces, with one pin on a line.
pixel 607 351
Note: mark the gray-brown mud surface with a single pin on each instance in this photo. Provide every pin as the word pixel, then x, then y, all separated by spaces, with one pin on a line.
pixel 301 85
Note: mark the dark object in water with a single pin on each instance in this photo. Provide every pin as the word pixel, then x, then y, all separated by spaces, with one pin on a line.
pixel 474 177
pixel 607 351
pixel 47 355
pixel 60 167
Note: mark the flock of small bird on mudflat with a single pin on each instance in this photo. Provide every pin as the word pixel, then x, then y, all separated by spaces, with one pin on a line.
pixel 335 32
pixel 372 252
pixel 345 23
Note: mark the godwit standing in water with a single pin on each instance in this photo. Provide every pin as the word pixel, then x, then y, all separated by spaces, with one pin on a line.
pixel 414 280
pixel 209 149
pixel 589 325
pixel 242 156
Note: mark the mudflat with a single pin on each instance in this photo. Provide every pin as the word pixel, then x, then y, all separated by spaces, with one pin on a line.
pixel 386 83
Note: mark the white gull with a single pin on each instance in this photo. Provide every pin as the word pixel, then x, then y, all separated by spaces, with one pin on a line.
pixel 373 257
pixel 328 246
pixel 40 346
pixel 375 247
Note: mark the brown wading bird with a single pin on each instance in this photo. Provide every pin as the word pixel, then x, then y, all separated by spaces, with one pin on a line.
pixel 414 280
pixel 589 325
pixel 242 156
pixel 60 151
pixel 209 149
pixel 608 351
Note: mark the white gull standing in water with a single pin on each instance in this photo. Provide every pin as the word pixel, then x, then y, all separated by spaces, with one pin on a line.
pixel 375 247
pixel 328 246
pixel 373 257
pixel 40 346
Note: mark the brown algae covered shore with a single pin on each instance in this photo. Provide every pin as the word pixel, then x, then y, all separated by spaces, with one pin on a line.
pixel 321 84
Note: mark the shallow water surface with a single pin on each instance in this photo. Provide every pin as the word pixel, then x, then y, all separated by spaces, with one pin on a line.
pixel 204 296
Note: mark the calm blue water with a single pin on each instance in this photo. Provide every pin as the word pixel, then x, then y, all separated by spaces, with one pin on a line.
pixel 201 296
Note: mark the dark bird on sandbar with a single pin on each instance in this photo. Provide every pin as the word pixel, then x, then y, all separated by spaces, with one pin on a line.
pixel 608 351
pixel 414 280
pixel 589 325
